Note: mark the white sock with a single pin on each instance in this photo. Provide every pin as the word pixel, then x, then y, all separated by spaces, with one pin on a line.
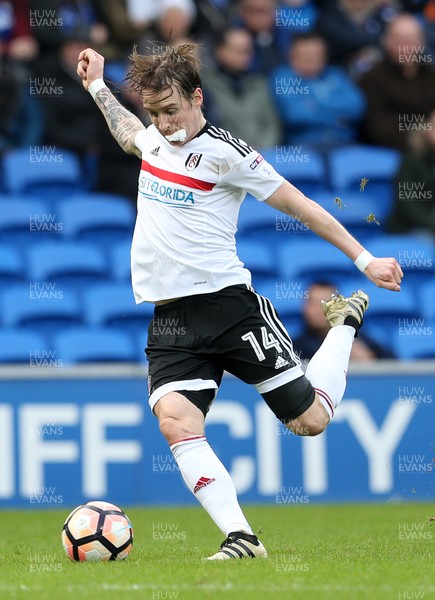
pixel 328 368
pixel 207 478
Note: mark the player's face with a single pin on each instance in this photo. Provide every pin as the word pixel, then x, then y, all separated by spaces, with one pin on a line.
pixel 177 119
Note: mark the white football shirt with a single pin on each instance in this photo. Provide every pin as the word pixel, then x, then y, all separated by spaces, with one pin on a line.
pixel 188 204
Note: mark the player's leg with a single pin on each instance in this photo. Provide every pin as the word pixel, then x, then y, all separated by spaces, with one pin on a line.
pixel 304 403
pixel 327 369
pixel 183 380
pixel 178 418
pixel 182 424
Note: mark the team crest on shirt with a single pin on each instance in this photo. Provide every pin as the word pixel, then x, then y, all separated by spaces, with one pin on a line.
pixel 192 161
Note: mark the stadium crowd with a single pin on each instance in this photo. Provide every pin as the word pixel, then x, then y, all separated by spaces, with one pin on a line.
pixel 314 74
pixel 320 73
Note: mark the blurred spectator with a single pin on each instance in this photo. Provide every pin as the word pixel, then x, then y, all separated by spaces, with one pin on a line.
pixel 318 104
pixel 414 6
pixel 72 122
pixel 145 22
pixel 20 115
pixel 259 17
pixel 172 18
pixel 241 100
pixel 428 22
pixel 414 209
pixel 123 33
pixel 353 30
pixel 71 116
pixel 297 16
pixel 16 38
pixel 400 90
pixel 316 327
pixel 20 112
pixel 175 19
pixel 212 18
pixel 52 20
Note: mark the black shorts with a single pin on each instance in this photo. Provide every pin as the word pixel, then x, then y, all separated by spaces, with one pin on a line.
pixel 192 341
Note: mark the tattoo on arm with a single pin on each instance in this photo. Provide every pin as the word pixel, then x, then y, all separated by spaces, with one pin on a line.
pixel 122 123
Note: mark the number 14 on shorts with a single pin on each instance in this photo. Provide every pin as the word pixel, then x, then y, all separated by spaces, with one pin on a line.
pixel 268 340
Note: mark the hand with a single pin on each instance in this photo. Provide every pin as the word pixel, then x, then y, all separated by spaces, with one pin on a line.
pixel 385 273
pixel 90 66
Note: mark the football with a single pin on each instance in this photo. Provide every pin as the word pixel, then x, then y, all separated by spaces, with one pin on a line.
pixel 97 531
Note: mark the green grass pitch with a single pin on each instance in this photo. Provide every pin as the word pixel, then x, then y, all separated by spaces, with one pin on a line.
pixel 321 552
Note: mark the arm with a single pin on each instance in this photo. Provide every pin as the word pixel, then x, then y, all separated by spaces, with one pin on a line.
pixel 384 272
pixel 123 124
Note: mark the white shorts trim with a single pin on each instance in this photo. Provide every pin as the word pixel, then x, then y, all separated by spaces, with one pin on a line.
pixel 186 384
pixel 278 380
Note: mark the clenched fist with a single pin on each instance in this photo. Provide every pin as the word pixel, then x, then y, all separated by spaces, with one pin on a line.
pixel 385 273
pixel 90 66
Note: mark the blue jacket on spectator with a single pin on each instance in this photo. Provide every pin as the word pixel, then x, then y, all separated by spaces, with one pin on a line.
pixel 322 110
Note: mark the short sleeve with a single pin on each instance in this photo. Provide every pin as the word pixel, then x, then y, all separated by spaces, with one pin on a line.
pixel 254 175
pixel 140 139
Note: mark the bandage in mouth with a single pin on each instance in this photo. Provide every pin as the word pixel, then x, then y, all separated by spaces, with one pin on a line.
pixel 178 136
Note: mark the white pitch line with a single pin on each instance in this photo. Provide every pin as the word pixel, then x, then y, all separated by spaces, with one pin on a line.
pixel 137 587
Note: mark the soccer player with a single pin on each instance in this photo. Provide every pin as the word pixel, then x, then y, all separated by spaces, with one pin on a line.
pixel 207 317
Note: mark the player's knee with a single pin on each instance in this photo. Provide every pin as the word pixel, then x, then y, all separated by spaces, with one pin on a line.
pixel 311 423
pixel 178 418
pixel 316 427
pixel 169 427
pixel 307 428
pixel 317 421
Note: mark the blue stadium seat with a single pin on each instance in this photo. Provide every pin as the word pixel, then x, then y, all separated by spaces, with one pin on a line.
pixel 42 169
pixel 115 71
pixel 140 342
pixel 22 346
pixel 120 261
pixel 384 302
pixel 303 166
pixel 81 345
pixel 348 165
pixel 101 218
pixel 426 295
pixel 417 341
pixel 294 327
pixel 43 307
pixel 287 297
pixel 257 257
pixel 352 209
pixel 25 221
pixel 387 310
pixel 351 163
pixel 257 219
pixel 11 265
pixel 306 260
pixel 72 264
pixel 112 304
pixel 358 281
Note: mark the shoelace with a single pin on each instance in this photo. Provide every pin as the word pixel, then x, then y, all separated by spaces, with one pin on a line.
pixel 228 541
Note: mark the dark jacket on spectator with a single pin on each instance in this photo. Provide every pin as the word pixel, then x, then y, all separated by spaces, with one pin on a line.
pixel 415 189
pixel 396 105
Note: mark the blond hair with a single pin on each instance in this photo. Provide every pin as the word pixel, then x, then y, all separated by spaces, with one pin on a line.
pixel 177 66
